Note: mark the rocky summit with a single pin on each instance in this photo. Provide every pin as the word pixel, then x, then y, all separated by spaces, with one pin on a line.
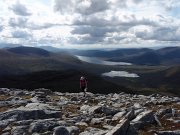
pixel 43 112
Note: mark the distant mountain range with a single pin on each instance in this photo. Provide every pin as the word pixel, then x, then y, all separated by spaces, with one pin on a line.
pixel 142 56
pixel 29 67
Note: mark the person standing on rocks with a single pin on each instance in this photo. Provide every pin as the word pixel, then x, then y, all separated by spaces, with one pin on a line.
pixel 83 84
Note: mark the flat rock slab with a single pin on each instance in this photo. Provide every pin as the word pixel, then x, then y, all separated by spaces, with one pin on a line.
pixel 19 115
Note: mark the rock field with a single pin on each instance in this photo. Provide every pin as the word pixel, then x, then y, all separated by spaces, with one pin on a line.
pixel 43 112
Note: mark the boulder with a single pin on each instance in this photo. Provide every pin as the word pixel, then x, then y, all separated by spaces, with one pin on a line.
pixel 19 130
pixel 61 131
pixel 120 129
pixel 119 115
pixel 95 109
pixel 109 111
pixel 145 117
pixel 73 130
pixel 19 115
pixel 97 121
pixel 130 115
pixel 42 126
pixel 41 106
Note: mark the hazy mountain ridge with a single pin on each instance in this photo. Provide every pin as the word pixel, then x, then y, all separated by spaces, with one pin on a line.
pixel 164 56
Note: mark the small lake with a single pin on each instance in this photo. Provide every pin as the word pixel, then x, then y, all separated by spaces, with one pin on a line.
pixel 101 62
pixel 120 74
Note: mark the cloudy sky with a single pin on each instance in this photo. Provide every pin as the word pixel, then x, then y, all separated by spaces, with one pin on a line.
pixel 90 23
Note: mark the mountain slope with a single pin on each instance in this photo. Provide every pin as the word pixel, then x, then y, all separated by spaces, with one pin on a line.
pixel 22 60
pixel 164 56
pixel 65 81
pixel 29 51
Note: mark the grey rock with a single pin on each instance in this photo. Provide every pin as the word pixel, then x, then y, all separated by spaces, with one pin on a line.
pixel 23 122
pixel 138 111
pixel 20 130
pixel 86 133
pixel 93 131
pixel 118 115
pixel 131 131
pixel 42 126
pixel 74 99
pixel 30 114
pixel 137 125
pixel 176 132
pixel 61 131
pixel 120 129
pixel 73 130
pixel 82 124
pixel 95 109
pixel 145 117
pixel 137 106
pixel 130 115
pixel 4 91
pixel 85 108
pixel 164 111
pixel 44 91
pixel 5 123
pixel 109 111
pixel 41 106
pixel 157 121
pixel 97 121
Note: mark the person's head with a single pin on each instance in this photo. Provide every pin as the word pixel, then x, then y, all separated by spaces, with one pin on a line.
pixel 82 78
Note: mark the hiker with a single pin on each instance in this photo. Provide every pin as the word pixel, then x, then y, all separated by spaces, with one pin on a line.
pixel 83 84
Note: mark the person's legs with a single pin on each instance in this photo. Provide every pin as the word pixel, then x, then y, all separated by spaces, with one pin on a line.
pixel 83 90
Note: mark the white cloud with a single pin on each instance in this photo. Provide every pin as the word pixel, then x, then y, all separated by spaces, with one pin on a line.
pixel 97 22
pixel 20 9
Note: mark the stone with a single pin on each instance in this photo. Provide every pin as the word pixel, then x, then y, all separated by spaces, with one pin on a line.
pixel 131 131
pixel 41 106
pixel 61 131
pixel 30 114
pixel 84 108
pixel 176 132
pixel 42 126
pixel 81 124
pixel 118 115
pixel 93 131
pixel 97 121
pixel 44 91
pixel 120 129
pixel 23 122
pixel 5 123
pixel 19 130
pixel 145 117
pixel 130 115
pixel 95 109
pixel 137 106
pixel 164 111
pixel 157 121
pixel 109 111
pixel 73 130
